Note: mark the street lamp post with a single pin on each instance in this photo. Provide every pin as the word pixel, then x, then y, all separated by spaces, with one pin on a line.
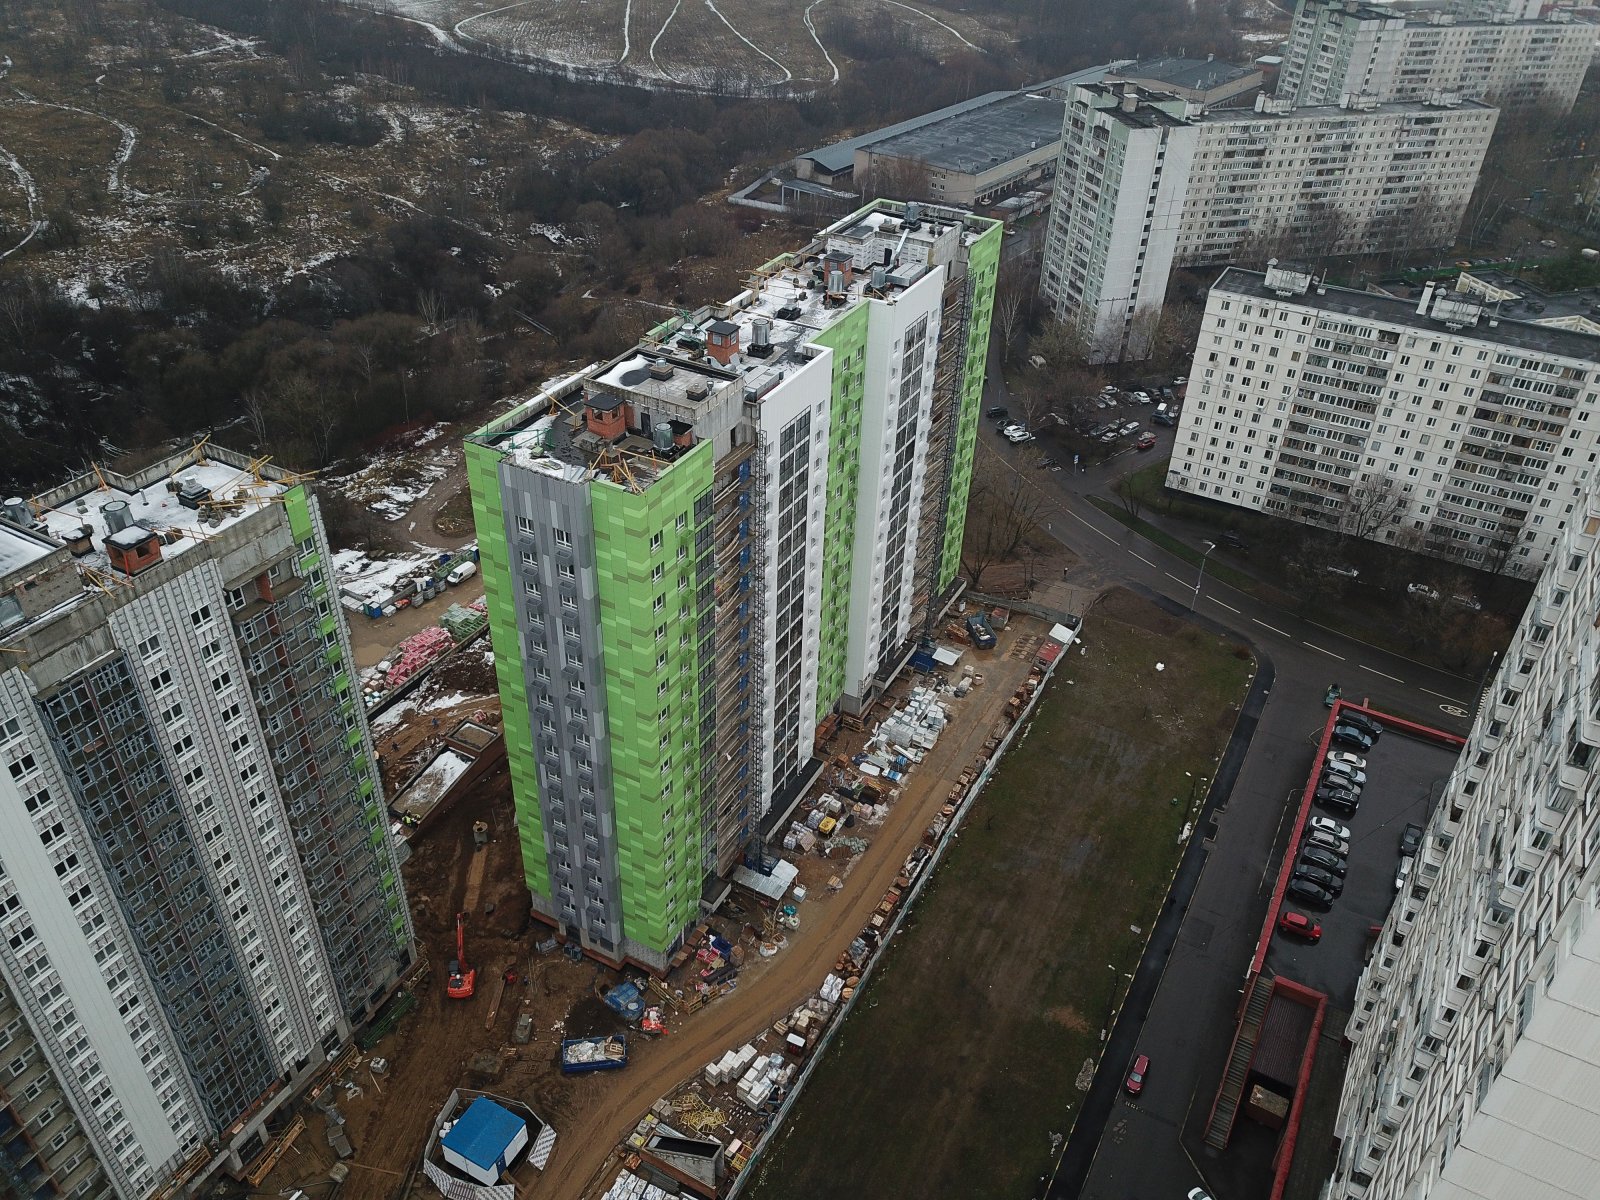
pixel 1200 578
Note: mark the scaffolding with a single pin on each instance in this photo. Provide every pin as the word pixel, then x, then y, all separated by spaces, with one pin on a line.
pixel 738 659
pixel 944 428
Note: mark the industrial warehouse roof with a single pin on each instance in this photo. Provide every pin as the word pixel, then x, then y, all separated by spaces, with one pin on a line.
pixel 967 115
pixel 978 139
pixel 1197 74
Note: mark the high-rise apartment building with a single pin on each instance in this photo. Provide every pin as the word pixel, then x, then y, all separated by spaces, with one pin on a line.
pixel 1147 182
pixel 697 551
pixel 1474 1069
pixel 199 899
pixel 1441 424
pixel 1341 48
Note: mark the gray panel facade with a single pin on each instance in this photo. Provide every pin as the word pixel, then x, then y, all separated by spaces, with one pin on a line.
pixel 103 737
pixel 550 535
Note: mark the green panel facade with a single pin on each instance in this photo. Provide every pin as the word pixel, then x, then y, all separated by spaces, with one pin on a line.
pixel 983 261
pixel 488 515
pixel 645 550
pixel 847 338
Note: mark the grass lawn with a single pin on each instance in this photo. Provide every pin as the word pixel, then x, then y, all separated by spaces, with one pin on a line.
pixel 961 1058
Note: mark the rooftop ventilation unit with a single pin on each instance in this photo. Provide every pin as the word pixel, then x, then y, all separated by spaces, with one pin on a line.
pixel 661 370
pixel 697 391
pixel 117 515
pixel 17 511
pixel 760 338
pixel 661 436
pixel 790 311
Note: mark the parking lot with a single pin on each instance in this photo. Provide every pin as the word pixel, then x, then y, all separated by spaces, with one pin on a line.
pixel 1405 776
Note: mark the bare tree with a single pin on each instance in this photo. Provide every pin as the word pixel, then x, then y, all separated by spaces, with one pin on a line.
pixel 1126 491
pixel 1013 305
pixel 896 179
pixel 1000 514
pixel 1372 505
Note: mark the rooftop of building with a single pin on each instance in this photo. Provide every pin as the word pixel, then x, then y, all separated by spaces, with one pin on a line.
pixel 1423 16
pixel 763 335
pixel 981 138
pixel 1268 109
pixel 1198 74
pixel 107 525
pixel 1467 314
pixel 1136 107
pixel 1519 299
pixel 967 114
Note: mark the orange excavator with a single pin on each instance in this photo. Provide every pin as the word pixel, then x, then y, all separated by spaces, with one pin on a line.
pixel 463 976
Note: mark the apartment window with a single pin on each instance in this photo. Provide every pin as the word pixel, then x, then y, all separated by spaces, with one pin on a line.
pixel 529 558
pixel 657 572
pixel 200 615
pixel 563 538
pixel 149 646
pixel 655 543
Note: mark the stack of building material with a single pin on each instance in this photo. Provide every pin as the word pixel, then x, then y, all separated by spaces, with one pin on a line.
pixel 629 1186
pixel 766 1073
pixel 831 989
pixel 462 623
pixel 730 1066
pixel 416 652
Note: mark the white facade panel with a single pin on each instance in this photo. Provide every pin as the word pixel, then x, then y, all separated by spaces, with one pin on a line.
pixel 63 974
pixel 800 407
pixel 884 502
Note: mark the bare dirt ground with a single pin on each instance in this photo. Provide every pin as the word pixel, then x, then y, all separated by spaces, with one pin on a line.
pixel 431 1050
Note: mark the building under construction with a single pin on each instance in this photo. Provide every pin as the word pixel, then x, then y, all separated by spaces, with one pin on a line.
pixel 697 551
pixel 199 900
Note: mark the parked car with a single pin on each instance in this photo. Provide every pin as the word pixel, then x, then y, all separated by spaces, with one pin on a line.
pixel 1403 872
pixel 1233 541
pixel 1299 925
pixel 1466 602
pixel 1354 774
pixel 1325 860
pixel 1131 428
pixel 1147 441
pixel 1137 1070
pixel 1110 389
pixel 1180 381
pixel 1046 462
pixel 1345 756
pixel 1142 397
pixel 1198 1194
pixel 1326 880
pixel 1164 418
pixel 1422 590
pixel 1339 800
pixel 1350 735
pixel 1104 402
pixel 1410 839
pixel 997 413
pixel 1110 435
pixel 1018 436
pixel 1329 825
pixel 1343 570
pixel 1324 840
pixel 1362 722
pixel 1309 893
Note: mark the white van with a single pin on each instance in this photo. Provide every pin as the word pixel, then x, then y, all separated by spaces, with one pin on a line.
pixel 461 572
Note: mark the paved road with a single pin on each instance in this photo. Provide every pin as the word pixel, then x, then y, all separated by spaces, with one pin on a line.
pixel 1182 1002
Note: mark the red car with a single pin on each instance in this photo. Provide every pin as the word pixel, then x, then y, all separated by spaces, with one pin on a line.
pixel 1146 441
pixel 1136 1073
pixel 1299 925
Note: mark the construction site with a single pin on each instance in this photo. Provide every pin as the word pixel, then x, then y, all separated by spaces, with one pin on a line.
pixel 764 976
